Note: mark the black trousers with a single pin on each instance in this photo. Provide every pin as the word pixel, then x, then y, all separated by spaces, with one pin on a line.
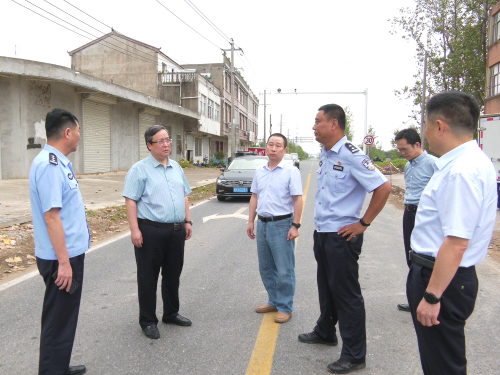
pixel 59 317
pixel 442 347
pixel 408 225
pixel 340 298
pixel 161 249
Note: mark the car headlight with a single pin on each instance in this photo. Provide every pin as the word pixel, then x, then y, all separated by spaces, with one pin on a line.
pixel 221 182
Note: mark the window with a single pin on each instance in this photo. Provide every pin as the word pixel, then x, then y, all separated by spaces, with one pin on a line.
pixel 211 109
pixel 179 145
pixel 227 113
pixel 219 146
pixel 217 112
pixel 496 28
pixel 197 146
pixel 203 104
pixel 227 82
pixel 495 80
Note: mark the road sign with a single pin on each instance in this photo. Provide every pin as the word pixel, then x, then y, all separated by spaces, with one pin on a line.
pixel 369 140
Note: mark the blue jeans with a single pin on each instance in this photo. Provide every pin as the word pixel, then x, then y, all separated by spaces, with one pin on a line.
pixel 277 262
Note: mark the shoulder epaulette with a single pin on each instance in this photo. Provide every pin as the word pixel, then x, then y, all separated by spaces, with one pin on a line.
pixel 351 147
pixel 53 159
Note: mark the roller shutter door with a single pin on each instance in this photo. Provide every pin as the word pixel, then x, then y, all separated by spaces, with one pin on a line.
pixel 145 121
pixel 97 137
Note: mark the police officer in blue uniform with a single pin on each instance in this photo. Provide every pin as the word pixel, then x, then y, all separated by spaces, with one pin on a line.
pixel 345 176
pixel 61 239
pixel 453 228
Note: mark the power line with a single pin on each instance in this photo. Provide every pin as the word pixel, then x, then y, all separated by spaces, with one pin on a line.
pixel 88 14
pixel 208 40
pixel 205 18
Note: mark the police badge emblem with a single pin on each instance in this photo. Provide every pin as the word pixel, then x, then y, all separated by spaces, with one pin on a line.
pixel 70 176
pixel 320 163
pixel 367 163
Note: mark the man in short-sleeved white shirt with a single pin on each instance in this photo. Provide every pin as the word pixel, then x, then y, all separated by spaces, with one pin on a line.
pixel 453 228
pixel 277 200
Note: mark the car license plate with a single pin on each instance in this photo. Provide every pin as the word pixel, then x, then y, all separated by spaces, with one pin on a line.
pixel 240 190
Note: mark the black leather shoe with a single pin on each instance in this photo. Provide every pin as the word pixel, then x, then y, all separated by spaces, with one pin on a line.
pixel 152 332
pixel 404 307
pixel 77 370
pixel 313 338
pixel 344 367
pixel 178 320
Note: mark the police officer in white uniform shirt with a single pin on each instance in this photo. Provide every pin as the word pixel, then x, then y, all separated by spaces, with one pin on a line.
pixel 345 176
pixel 453 229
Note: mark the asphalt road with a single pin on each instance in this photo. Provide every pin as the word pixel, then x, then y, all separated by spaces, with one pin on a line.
pixel 220 288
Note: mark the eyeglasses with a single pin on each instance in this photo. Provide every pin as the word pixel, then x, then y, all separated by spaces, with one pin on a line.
pixel 163 141
pixel 404 149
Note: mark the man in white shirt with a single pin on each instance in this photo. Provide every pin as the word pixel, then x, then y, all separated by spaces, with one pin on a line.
pixel 277 200
pixel 453 229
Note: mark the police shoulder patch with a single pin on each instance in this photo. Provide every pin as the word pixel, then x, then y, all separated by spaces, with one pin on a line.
pixel 351 147
pixel 367 163
pixel 53 159
pixel 70 175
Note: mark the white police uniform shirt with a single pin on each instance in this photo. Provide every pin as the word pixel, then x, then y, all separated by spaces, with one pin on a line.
pixel 54 185
pixel 460 200
pixel 275 189
pixel 345 175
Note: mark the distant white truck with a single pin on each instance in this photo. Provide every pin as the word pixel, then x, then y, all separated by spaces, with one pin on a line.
pixel 489 141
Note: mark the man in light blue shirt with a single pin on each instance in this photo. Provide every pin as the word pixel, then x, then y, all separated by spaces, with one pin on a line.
pixel 277 200
pixel 453 229
pixel 418 171
pixel 61 239
pixel 345 175
pixel 155 194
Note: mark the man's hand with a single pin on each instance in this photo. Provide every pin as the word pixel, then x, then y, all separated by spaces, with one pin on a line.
pixel 293 233
pixel 64 276
pixel 136 237
pixel 250 229
pixel 352 230
pixel 189 230
pixel 427 313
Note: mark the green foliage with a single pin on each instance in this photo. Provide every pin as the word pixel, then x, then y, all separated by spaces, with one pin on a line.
pixel 221 155
pixel 293 148
pixel 454 34
pixel 260 144
pixel 349 118
pixel 185 164
pixel 397 130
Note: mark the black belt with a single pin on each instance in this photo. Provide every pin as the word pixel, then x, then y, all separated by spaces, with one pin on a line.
pixel 174 226
pixel 425 261
pixel 274 218
pixel 411 207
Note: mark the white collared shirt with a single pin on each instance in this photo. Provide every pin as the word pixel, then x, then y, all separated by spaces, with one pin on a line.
pixel 460 200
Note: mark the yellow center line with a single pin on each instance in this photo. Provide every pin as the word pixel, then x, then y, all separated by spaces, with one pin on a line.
pixel 263 351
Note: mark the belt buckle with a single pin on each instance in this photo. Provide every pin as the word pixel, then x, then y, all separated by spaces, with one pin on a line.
pixel 177 226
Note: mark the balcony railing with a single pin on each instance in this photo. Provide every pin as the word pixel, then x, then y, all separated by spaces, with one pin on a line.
pixel 167 78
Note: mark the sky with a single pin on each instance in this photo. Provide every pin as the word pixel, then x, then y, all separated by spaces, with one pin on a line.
pixel 316 46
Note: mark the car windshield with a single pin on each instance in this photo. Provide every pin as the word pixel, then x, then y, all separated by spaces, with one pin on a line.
pixel 244 163
pixel 288 157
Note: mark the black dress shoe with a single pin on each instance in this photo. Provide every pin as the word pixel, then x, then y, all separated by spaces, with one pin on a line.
pixel 178 320
pixel 344 367
pixel 77 370
pixel 152 332
pixel 313 338
pixel 404 307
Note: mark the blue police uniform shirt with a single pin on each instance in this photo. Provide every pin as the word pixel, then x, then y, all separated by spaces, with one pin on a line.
pixel 418 172
pixel 460 200
pixel 275 189
pixel 345 175
pixel 54 185
pixel 158 191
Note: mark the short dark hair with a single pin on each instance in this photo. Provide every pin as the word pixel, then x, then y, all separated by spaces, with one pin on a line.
pixel 57 121
pixel 278 135
pixel 459 109
pixel 151 132
pixel 410 135
pixel 334 111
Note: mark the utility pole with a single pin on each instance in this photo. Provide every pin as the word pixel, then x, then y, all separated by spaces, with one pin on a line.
pixel 422 108
pixel 234 127
pixel 264 139
pixel 281 124
pixel 270 125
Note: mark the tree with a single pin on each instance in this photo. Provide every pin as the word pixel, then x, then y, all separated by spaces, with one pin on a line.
pixel 375 150
pixel 349 118
pixel 454 35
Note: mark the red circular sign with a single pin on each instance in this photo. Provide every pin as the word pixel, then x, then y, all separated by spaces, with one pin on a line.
pixel 369 140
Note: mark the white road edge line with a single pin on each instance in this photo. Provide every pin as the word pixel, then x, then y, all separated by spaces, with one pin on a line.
pixel 32 274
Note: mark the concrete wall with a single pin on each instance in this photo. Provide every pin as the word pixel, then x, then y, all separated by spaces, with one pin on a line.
pixel 24 103
pixel 125 137
pixel 114 66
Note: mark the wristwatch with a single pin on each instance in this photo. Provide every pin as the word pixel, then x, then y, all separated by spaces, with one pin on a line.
pixel 431 298
pixel 188 222
pixel 363 223
pixel 296 225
